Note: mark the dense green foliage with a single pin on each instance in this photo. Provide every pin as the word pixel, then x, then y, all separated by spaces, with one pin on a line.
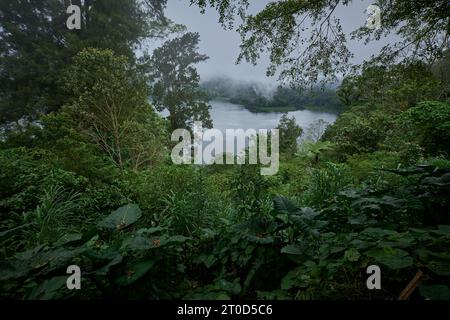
pixel 290 131
pixel 176 81
pixel 307 43
pixel 36 45
pixel 92 184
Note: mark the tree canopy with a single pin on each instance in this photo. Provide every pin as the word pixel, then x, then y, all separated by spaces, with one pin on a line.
pixel 35 45
pixel 176 81
pixel 306 42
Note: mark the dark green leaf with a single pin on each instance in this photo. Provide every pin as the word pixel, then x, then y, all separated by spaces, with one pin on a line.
pixel 393 258
pixel 135 271
pixel 435 292
pixel 122 217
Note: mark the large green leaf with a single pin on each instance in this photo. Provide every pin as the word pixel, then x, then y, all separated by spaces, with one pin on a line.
pixel 441 268
pixel 284 205
pixel 435 292
pixel 152 230
pixel 58 258
pixel 377 233
pixel 176 239
pixel 122 217
pixel 5 235
pixel 38 262
pixel 352 255
pixel 393 258
pixel 135 271
pixel 442 230
pixel 257 239
pixel 13 269
pixel 140 242
pixel 68 239
pixel 295 278
pixel 227 286
pixel 292 249
pixel 221 289
pixel 208 260
pixel 49 288
pixel 106 268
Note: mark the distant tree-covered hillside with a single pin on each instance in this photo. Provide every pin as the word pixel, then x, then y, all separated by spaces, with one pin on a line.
pixel 258 97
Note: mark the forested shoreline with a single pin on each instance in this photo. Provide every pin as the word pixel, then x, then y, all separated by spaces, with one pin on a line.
pixel 261 97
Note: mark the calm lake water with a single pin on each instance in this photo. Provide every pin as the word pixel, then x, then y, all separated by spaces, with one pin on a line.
pixel 226 115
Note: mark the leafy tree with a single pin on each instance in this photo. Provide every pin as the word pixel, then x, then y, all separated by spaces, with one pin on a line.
pixel 316 130
pixel 441 70
pixel 70 149
pixel 348 91
pixel 249 190
pixel 399 86
pixel 306 41
pixel 176 81
pixel 313 150
pixel 250 96
pixel 359 131
pixel 429 124
pixel 290 131
pixel 110 101
pixel 36 45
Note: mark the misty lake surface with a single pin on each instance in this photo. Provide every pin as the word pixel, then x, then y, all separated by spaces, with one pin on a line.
pixel 227 115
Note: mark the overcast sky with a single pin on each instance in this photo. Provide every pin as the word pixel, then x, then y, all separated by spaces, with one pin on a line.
pixel 222 46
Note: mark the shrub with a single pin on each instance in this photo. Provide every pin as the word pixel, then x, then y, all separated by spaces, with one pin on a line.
pixel 325 183
pixel 428 123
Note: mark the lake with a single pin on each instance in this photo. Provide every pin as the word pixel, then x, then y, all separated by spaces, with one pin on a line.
pixel 227 115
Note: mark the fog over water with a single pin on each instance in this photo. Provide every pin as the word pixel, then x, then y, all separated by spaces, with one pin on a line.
pixel 231 116
pixel 222 46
